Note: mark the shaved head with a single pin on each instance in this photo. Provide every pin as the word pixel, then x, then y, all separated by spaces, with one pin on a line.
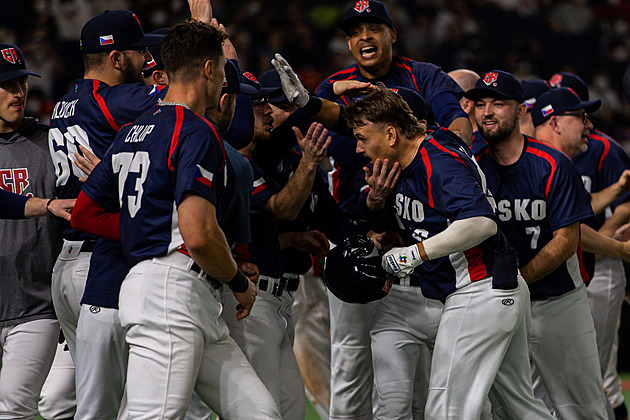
pixel 466 79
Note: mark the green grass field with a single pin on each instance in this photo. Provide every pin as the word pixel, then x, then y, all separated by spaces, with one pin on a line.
pixel 312 415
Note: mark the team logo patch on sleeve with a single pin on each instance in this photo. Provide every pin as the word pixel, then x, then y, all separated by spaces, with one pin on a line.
pixel 106 39
pixel 362 6
pixel 204 176
pixel 547 110
pixel 259 185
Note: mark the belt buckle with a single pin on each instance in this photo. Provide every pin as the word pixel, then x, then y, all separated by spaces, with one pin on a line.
pixel 278 288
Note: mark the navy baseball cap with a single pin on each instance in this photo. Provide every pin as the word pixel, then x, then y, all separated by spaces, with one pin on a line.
pixel 559 101
pixel 416 102
pixel 235 81
pixel 570 80
pixel 532 89
pixel 12 64
pixel 115 30
pixel 271 79
pixel 366 11
pixel 154 50
pixel 263 91
pixel 497 84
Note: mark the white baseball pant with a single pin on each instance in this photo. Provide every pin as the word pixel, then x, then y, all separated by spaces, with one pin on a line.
pixel 351 375
pixel 605 293
pixel 563 350
pixel 266 337
pixel 403 335
pixel 68 284
pixel 481 351
pixel 58 397
pixel 26 353
pixel 178 342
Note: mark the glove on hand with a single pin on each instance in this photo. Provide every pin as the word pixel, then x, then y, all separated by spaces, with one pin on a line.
pixel 293 88
pixel 402 261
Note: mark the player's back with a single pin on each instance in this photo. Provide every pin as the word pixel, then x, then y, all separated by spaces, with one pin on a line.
pixel 167 152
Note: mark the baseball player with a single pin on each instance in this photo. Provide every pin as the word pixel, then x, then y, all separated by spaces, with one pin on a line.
pixel 170 167
pixel 370 34
pixel 90 114
pixel 601 166
pixel 541 202
pixel 450 228
pixel 28 326
pixel 466 80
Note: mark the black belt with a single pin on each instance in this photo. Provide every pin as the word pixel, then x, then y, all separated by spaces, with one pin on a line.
pixel 414 281
pixel 213 282
pixel 87 246
pixel 288 283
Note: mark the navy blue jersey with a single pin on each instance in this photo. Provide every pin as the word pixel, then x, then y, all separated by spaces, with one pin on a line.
pixel 167 152
pixel 436 87
pixel 600 167
pixel 540 193
pixel 264 248
pixel 478 143
pixel 12 205
pixel 90 115
pixel 441 185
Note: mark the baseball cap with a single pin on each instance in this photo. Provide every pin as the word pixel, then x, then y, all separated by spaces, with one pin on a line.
pixel 570 80
pixel 366 11
pixel 271 79
pixel 12 64
pixel 115 30
pixel 497 84
pixel 559 101
pixel 263 91
pixel 156 63
pixel 234 81
pixel 532 89
pixel 416 103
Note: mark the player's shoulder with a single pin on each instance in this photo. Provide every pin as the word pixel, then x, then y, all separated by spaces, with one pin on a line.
pixel 127 91
pixel 413 65
pixel 544 153
pixel 444 145
pixel 343 74
pixel 603 141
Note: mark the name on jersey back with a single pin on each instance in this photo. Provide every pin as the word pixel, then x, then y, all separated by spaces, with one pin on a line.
pixel 64 109
pixel 137 133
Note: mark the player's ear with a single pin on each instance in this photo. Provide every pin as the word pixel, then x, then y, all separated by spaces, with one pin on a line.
pixel 208 69
pixel 349 44
pixel 521 110
pixel 392 34
pixel 392 135
pixel 467 105
pixel 160 78
pixel 116 58
pixel 553 123
pixel 223 102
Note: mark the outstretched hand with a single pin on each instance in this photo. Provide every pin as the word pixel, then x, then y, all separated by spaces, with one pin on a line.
pixel 315 144
pixel 353 88
pixel 292 87
pixel 382 179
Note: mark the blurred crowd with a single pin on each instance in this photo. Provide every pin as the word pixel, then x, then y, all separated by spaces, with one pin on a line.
pixel 530 38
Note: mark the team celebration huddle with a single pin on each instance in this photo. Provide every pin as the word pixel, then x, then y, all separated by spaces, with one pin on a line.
pixel 402 243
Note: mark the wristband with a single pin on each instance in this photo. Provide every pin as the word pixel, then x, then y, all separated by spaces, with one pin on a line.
pixel 239 282
pixel 313 106
pixel 48 204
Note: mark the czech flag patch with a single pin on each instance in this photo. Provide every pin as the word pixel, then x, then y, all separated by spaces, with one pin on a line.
pixel 547 110
pixel 106 39
pixel 204 176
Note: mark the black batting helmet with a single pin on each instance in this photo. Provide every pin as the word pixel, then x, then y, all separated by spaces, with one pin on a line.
pixel 354 272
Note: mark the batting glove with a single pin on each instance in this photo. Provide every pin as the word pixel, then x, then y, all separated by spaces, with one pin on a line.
pixel 291 84
pixel 402 261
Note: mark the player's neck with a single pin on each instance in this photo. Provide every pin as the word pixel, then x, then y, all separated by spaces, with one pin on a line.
pixel 410 150
pixel 102 76
pixel 187 94
pixel 376 72
pixel 509 151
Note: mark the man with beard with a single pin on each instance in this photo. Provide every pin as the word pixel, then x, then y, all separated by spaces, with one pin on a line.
pixel 114 52
pixel 541 202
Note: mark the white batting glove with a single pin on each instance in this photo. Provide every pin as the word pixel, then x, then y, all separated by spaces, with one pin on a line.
pixel 402 261
pixel 294 90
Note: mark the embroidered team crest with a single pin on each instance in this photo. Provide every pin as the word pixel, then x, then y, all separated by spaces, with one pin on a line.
pixel 490 78
pixel 547 110
pixel 250 76
pixel 362 6
pixel 556 80
pixel 402 259
pixel 11 55
pixel 106 39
